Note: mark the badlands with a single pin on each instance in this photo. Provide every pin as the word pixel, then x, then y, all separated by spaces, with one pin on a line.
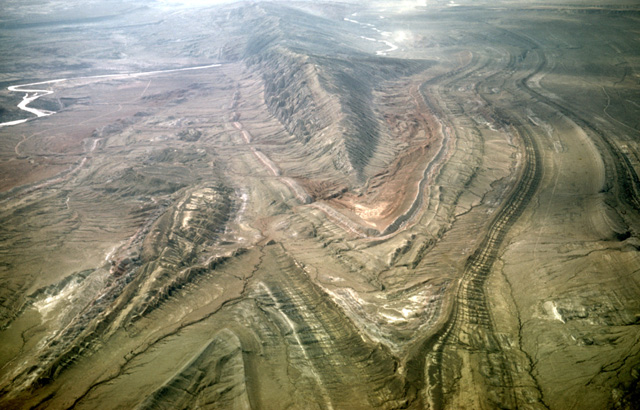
pixel 329 205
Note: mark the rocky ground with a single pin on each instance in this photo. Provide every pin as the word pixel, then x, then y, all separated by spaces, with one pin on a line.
pixel 302 205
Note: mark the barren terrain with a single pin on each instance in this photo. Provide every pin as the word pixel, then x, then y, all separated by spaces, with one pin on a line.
pixel 336 205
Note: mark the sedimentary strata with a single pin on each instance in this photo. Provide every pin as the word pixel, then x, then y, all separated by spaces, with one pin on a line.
pixel 275 205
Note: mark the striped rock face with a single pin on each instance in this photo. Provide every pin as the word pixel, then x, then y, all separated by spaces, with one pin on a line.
pixel 319 205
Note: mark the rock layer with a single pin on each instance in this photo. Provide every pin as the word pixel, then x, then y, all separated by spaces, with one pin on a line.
pixel 347 206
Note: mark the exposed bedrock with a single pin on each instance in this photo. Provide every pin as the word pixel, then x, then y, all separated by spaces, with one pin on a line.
pixel 322 90
pixel 328 205
pixel 215 375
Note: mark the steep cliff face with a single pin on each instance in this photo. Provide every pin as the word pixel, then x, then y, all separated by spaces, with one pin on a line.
pixel 322 90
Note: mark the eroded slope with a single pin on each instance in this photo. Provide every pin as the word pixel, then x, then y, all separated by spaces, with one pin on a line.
pixel 355 207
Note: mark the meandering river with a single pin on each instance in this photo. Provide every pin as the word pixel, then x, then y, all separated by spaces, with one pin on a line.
pixel 32 94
